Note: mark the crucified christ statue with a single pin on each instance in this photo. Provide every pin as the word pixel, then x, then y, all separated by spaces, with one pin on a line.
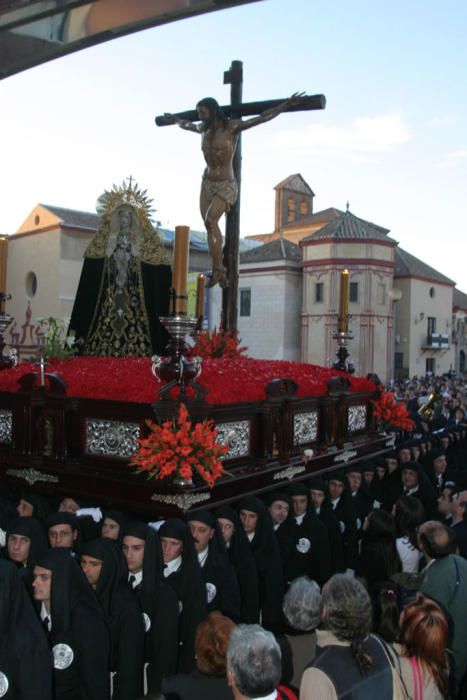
pixel 219 136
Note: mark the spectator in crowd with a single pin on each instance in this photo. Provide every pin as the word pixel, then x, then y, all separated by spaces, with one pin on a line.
pixel 254 665
pixel 386 612
pixel 459 521
pixel 348 657
pixel 408 516
pixel 445 581
pixel 301 608
pixel 209 680
pixel 378 559
pixel 423 658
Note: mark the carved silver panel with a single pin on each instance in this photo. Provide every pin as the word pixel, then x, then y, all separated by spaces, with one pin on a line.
pixel 357 418
pixel 6 427
pixel 184 501
pixel 236 436
pixel 111 438
pixel 305 427
pixel 31 475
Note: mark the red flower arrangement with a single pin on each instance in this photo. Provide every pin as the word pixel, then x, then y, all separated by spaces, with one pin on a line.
pixel 242 379
pixel 390 413
pixel 177 448
pixel 218 343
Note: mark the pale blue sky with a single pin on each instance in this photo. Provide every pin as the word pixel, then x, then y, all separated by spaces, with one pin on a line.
pixel 392 140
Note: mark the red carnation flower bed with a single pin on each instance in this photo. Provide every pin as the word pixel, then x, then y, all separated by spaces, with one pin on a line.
pixel 227 380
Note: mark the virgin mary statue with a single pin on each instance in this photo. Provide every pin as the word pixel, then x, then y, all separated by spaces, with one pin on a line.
pixel 125 280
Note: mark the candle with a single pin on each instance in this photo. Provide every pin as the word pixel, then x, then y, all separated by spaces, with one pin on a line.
pixel 180 267
pixel 343 320
pixel 200 286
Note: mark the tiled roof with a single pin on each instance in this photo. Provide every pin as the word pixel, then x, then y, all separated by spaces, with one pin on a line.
pixel 407 265
pixel 323 216
pixel 347 225
pixel 280 249
pixel 75 218
pixel 459 299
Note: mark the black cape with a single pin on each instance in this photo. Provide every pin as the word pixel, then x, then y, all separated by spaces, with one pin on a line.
pixel 124 618
pixel 79 623
pixel 159 607
pixel 25 659
pixel 156 285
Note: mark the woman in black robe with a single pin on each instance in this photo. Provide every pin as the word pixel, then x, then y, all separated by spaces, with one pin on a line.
pixel 25 659
pixel 78 634
pixel 123 615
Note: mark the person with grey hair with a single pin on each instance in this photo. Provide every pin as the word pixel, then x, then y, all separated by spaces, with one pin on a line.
pixel 254 665
pixel 301 606
pixel 347 655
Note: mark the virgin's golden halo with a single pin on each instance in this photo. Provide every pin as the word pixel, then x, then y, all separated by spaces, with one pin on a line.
pixel 127 193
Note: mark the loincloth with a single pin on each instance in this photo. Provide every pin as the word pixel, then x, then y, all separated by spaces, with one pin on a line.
pixel 225 189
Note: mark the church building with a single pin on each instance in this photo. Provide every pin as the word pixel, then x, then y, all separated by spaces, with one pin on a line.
pixel 289 292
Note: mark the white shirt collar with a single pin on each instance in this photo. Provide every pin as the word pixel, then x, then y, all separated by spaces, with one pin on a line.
pixel 271 696
pixel 202 556
pixel 318 510
pixel 46 615
pixel 137 578
pixel 173 566
pixel 250 536
pixel 299 518
pixel 335 501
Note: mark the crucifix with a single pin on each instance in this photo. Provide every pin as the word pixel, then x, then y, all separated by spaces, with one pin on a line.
pixel 220 129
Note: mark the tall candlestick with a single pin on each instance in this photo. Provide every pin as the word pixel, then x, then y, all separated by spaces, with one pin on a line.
pixel 343 320
pixel 180 267
pixel 200 287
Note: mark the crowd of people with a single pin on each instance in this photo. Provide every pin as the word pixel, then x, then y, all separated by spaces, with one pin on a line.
pixel 353 585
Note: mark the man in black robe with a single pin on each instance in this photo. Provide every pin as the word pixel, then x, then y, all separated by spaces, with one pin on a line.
pixel 341 504
pixel 242 559
pixel 25 661
pixel 183 572
pixel 259 529
pixel 25 542
pixel 78 634
pixel 222 590
pixel 320 499
pixel 158 603
pixel 104 566
pixel 63 531
pixel 310 554
pixel 125 281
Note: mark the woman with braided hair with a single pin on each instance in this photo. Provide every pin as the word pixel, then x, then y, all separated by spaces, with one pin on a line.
pixel 347 655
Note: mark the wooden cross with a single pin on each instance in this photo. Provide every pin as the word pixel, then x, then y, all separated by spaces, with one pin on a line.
pixel 236 110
